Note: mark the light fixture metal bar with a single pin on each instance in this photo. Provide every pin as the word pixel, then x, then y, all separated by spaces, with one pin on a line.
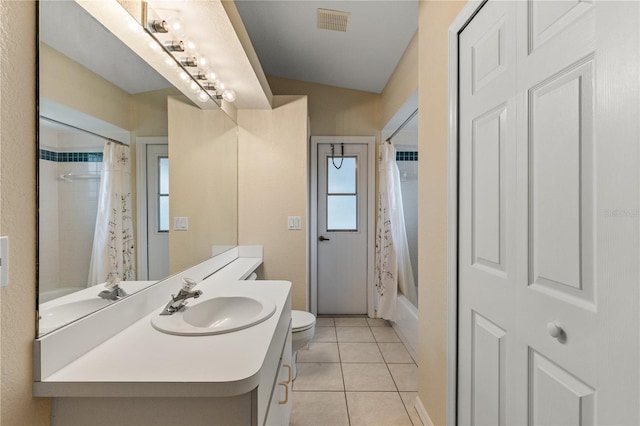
pixel 145 24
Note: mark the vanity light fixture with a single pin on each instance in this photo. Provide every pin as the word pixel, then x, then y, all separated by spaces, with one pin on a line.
pixel 159 26
pixel 209 86
pixel 199 75
pixel 169 34
pixel 189 61
pixel 174 46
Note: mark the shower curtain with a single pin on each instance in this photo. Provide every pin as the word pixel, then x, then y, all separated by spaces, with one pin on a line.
pixel 393 265
pixel 113 255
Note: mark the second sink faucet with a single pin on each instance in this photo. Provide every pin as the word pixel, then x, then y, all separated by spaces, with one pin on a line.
pixel 179 300
pixel 113 291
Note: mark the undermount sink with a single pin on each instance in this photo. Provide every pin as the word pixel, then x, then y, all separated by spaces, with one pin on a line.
pixel 56 316
pixel 215 316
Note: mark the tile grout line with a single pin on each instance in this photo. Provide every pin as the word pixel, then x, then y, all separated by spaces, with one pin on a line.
pixel 393 378
pixel 344 386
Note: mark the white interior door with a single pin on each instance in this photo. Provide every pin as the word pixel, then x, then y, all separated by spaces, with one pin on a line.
pixel 157 211
pixel 548 223
pixel 342 271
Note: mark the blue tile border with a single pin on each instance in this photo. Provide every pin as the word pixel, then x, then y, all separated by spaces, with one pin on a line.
pixel 407 156
pixel 71 157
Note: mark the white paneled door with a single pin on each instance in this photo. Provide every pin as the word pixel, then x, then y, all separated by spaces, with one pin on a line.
pixel 548 325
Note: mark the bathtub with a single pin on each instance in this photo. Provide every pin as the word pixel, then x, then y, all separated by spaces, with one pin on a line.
pixel 46 296
pixel 406 325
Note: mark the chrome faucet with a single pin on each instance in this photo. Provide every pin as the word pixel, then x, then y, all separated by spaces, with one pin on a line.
pixel 178 301
pixel 113 294
pixel 113 290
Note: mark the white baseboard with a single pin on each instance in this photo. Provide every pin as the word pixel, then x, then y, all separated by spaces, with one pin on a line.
pixel 422 412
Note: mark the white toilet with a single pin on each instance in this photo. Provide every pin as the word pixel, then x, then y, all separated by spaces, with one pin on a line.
pixel 303 325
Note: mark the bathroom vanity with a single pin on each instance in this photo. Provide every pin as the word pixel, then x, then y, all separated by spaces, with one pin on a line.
pixel 142 376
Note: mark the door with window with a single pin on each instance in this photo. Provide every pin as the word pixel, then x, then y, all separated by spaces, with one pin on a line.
pixel 342 271
pixel 157 211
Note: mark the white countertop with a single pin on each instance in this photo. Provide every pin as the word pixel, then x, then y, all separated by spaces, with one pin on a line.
pixel 142 361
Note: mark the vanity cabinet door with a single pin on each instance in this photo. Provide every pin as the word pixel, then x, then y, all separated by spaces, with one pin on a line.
pixel 282 392
pixel 286 376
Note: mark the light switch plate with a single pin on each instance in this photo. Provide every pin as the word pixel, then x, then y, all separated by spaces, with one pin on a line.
pixel 4 261
pixel 294 222
pixel 180 223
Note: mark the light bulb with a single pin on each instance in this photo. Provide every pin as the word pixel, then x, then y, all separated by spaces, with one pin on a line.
pixel 183 76
pixel 203 96
pixel 211 75
pixel 229 95
pixel 154 46
pixel 194 87
pixel 203 61
pixel 191 45
pixel 134 27
pixel 171 63
pixel 176 26
pixel 220 86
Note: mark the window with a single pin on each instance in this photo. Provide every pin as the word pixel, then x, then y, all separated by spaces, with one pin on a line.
pixel 342 195
pixel 163 194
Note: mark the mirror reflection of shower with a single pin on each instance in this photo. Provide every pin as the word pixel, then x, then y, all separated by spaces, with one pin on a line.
pixel 405 142
pixel 70 164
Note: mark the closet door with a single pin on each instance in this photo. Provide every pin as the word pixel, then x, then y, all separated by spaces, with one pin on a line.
pixel 487 203
pixel 549 235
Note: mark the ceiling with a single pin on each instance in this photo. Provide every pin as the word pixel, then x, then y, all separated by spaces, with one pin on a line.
pixel 283 33
pixel 289 44
pixel 69 29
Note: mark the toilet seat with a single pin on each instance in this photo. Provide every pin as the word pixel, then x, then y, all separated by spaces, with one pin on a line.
pixel 302 321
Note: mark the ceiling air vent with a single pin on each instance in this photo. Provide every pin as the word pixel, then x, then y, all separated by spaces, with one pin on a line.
pixel 333 20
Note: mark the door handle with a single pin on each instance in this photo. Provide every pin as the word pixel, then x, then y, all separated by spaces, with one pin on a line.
pixel 286 393
pixel 555 330
pixel 323 238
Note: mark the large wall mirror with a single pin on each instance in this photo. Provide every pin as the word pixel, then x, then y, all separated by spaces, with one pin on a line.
pixel 109 121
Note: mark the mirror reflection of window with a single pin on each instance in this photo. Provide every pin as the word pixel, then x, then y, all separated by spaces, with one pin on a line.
pixel 342 194
pixel 163 194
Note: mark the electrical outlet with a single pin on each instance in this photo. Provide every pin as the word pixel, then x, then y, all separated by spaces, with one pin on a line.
pixel 4 261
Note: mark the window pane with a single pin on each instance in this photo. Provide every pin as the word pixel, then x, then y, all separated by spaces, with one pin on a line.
pixel 163 213
pixel 342 213
pixel 163 167
pixel 342 180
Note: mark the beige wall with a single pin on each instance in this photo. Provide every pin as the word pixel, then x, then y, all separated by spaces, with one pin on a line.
pixel 402 83
pixel 203 172
pixel 434 20
pixel 69 83
pixel 272 183
pixel 334 111
pixel 148 118
pixel 17 212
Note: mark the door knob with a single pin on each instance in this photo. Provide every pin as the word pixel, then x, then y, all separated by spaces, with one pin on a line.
pixel 555 330
pixel 323 238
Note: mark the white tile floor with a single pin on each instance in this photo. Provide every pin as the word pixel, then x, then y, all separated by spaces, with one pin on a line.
pixel 356 371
